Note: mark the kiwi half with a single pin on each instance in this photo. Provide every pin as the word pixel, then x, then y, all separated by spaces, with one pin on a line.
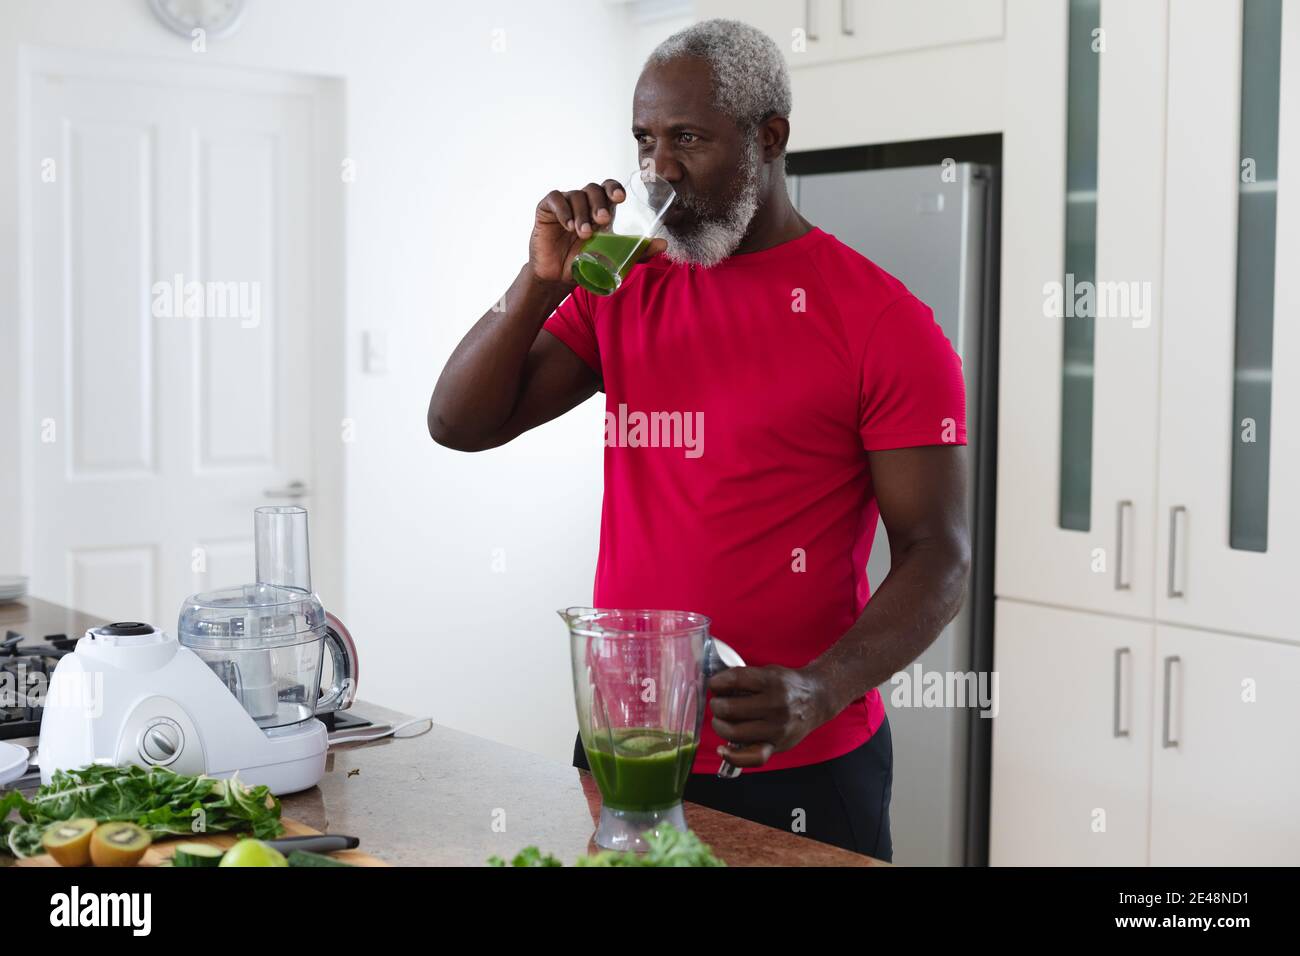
pixel 68 842
pixel 118 844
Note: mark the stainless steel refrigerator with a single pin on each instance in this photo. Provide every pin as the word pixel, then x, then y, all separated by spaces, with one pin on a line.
pixel 934 227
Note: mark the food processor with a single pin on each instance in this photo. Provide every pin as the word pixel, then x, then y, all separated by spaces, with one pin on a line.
pixel 236 691
pixel 639 685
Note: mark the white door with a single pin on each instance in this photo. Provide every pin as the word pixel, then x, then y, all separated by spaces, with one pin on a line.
pixel 1084 141
pixel 1071 739
pixel 1225 751
pixel 1229 534
pixel 164 420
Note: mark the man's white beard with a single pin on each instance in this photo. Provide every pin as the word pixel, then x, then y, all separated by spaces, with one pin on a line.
pixel 712 240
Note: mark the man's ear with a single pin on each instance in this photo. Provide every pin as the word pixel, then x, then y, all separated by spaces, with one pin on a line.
pixel 775 132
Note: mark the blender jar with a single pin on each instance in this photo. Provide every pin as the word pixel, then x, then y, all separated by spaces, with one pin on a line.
pixel 638 682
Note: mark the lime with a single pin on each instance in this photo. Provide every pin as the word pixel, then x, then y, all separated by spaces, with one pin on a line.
pixel 253 853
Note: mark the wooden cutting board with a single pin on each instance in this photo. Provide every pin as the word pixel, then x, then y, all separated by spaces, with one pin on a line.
pixel 162 850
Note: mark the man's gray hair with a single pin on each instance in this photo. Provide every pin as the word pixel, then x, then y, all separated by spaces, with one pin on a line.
pixel 750 79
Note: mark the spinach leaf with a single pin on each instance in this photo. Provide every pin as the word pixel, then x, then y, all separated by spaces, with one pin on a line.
pixel 668 847
pixel 162 801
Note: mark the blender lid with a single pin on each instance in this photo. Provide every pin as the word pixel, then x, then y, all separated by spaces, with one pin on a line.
pixel 249 616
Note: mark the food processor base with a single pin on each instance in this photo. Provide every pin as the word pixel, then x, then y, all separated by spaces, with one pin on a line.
pixel 623 829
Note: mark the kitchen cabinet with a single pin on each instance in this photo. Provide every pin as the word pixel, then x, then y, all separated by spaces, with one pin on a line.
pixel 876 27
pixel 1165 452
pixel 1071 739
pixel 1225 751
pixel 1122 742
pixel 1229 518
pixel 807 31
pixel 820 31
pixel 1082 226
pixel 1145 453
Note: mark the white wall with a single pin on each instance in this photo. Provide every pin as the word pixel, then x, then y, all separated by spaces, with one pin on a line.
pixel 454 144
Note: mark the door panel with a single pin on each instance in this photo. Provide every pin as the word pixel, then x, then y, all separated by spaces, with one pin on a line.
pixel 171 294
pixel 1225 771
pixel 807 31
pixel 1095 552
pixel 874 27
pixel 1071 738
pixel 1215 441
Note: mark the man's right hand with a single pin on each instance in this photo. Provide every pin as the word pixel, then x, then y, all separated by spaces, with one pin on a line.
pixel 565 221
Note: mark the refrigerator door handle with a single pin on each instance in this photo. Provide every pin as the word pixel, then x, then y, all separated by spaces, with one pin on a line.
pixel 809 23
pixel 846 17
pixel 1120 654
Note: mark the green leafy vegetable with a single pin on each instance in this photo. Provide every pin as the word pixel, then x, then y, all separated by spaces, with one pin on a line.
pixel 528 856
pixel 668 847
pixel 159 800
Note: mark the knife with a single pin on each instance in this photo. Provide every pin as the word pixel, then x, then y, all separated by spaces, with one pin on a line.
pixel 318 843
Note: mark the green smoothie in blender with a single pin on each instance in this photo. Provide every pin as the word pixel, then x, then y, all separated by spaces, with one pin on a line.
pixel 639 768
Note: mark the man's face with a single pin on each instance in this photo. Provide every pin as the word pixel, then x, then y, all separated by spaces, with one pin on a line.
pixel 714 170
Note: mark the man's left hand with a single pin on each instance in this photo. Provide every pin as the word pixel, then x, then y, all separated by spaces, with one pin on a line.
pixel 764 710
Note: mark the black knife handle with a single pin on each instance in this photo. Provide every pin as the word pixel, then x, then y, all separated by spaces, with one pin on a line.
pixel 323 843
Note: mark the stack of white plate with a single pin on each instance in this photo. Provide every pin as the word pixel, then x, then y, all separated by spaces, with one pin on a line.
pixel 12 587
pixel 13 762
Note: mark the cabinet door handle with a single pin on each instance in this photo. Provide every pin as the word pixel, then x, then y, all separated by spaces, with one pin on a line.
pixel 1122 580
pixel 846 17
pixel 1165 740
pixel 1175 513
pixel 809 23
pixel 1120 654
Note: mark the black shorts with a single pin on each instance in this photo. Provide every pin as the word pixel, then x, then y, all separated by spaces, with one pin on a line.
pixel 844 801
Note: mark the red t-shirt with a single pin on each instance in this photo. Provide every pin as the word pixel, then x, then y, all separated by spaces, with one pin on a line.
pixel 755 506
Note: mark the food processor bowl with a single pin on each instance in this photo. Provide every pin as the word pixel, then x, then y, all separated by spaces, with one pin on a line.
pixel 266 641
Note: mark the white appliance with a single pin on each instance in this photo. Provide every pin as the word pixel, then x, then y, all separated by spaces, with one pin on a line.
pixel 237 693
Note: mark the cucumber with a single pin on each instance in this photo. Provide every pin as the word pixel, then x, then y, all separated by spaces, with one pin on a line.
pixel 197 854
pixel 303 858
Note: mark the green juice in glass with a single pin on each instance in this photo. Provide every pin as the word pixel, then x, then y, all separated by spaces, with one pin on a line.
pixel 645 770
pixel 605 261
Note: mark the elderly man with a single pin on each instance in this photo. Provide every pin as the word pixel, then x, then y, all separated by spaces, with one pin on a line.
pixel 829 396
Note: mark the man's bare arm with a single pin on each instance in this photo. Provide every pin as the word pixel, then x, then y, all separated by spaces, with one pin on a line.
pixel 922 498
pixel 508 375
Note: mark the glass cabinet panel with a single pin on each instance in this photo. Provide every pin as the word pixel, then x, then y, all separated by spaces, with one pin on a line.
pixel 1261 60
pixel 1080 264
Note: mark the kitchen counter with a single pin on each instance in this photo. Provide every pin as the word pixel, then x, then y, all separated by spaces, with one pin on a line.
pixel 34 619
pixel 447 798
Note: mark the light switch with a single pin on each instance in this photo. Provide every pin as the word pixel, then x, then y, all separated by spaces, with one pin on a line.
pixel 374 352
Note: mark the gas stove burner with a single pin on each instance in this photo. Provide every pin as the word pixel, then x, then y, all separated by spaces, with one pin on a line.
pixel 53 645
pixel 20 659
